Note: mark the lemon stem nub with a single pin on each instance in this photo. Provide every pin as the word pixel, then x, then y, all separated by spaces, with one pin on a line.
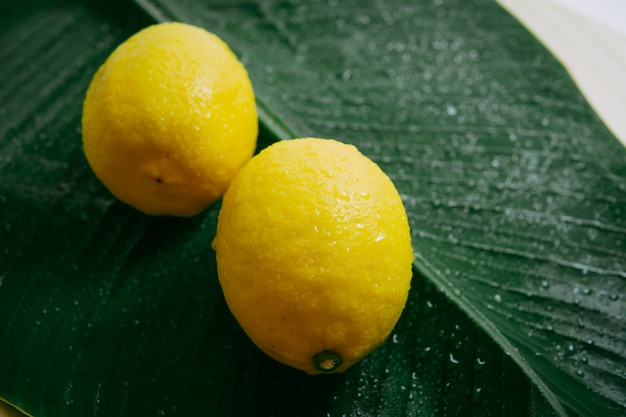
pixel 327 361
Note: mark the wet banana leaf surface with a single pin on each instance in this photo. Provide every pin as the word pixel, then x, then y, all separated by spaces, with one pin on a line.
pixel 515 191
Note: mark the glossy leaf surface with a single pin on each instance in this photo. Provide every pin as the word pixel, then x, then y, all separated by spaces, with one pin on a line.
pixel 515 192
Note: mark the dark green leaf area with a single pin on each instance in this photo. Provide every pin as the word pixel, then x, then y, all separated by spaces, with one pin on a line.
pixel 110 333
pixel 155 341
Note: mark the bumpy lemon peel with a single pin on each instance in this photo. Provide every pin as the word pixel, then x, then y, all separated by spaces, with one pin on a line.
pixel 314 253
pixel 169 119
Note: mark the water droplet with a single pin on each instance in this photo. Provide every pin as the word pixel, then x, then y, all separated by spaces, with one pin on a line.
pixel 453 360
pixel 497 298
pixel 476 394
pixel 452 238
pixel 580 373
pixel 451 110
pixel 570 349
pixel 342 195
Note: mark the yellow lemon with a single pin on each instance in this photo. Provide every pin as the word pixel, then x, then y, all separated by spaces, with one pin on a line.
pixel 169 119
pixel 314 253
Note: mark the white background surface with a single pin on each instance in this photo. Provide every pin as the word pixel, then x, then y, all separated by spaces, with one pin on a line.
pixel 608 12
pixel 589 38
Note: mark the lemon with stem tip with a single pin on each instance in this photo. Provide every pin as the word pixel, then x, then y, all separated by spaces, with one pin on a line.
pixel 314 253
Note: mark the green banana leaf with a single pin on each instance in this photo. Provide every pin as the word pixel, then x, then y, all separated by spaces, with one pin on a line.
pixel 515 191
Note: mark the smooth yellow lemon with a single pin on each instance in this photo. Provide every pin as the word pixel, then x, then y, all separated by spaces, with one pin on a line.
pixel 169 119
pixel 314 253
